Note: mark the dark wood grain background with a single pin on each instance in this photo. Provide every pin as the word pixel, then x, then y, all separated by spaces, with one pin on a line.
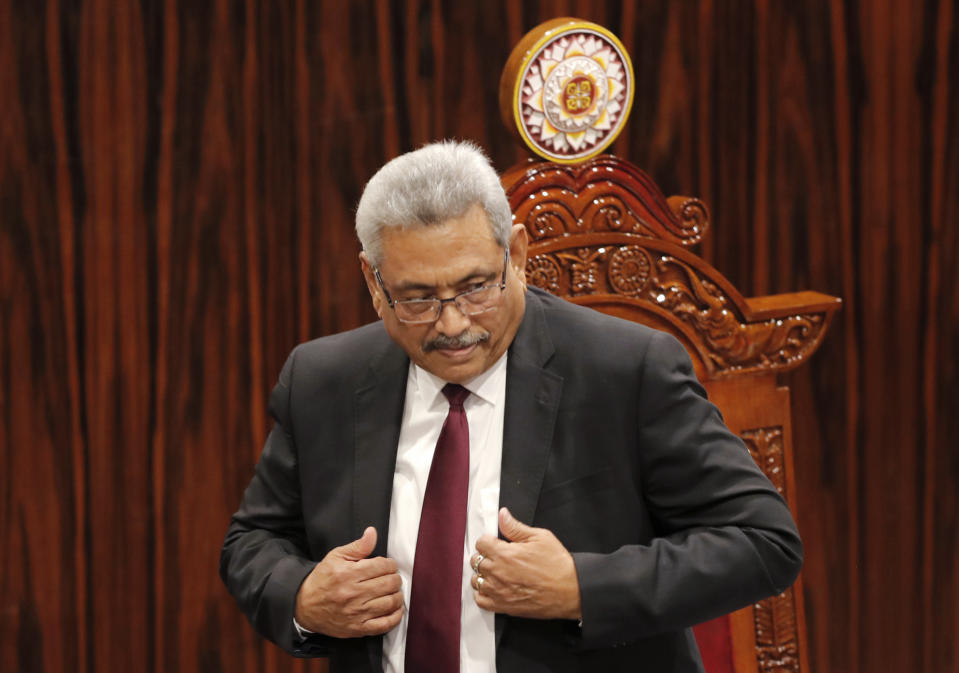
pixel 177 182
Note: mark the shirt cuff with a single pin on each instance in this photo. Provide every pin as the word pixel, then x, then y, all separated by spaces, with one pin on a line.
pixel 300 631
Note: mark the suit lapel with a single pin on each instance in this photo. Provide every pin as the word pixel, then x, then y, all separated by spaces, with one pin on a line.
pixel 532 403
pixel 379 413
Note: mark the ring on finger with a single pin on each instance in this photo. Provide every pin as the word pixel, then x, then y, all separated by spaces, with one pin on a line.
pixel 476 564
pixel 479 582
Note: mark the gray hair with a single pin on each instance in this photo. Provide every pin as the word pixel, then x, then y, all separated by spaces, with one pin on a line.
pixel 435 183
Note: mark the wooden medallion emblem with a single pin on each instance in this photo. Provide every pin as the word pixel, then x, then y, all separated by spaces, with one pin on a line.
pixel 567 89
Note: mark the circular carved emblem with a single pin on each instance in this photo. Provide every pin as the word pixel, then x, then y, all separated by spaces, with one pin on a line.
pixel 574 95
pixel 579 96
pixel 568 89
pixel 629 270
pixel 543 272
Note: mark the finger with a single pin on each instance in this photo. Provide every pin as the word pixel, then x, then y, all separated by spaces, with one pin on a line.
pixel 482 585
pixel 378 625
pixel 476 562
pixel 381 606
pixel 381 585
pixel 366 569
pixel 484 602
pixel 488 546
pixel 359 548
pixel 513 529
pixel 359 572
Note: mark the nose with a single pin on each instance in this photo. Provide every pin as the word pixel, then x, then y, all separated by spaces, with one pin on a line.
pixel 452 320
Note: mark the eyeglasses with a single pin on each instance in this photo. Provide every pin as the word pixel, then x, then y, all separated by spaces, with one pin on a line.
pixel 472 302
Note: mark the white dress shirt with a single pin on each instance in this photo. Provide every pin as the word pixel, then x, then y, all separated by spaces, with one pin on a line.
pixel 424 412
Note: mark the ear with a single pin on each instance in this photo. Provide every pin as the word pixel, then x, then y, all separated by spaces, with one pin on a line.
pixel 518 245
pixel 376 294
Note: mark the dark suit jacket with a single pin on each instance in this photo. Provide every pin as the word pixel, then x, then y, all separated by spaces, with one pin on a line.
pixel 609 441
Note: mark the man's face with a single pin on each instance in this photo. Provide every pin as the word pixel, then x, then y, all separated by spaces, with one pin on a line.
pixel 441 261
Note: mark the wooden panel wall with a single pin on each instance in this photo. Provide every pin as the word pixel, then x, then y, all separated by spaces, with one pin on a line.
pixel 176 190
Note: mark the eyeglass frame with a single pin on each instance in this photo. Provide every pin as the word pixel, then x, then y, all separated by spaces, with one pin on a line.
pixel 442 302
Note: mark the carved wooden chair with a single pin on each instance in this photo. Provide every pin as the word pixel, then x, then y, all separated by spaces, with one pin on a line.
pixel 603 235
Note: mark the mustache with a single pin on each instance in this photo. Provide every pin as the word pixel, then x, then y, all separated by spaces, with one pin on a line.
pixel 464 340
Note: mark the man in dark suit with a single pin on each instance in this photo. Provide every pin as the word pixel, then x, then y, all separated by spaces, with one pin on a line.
pixel 603 506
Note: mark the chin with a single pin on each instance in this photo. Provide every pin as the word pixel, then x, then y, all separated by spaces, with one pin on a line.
pixel 458 374
pixel 454 373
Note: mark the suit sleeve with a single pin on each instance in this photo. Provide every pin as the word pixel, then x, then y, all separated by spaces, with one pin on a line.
pixel 725 538
pixel 265 557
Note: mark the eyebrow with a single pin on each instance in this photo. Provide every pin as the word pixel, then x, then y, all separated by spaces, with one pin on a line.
pixel 472 277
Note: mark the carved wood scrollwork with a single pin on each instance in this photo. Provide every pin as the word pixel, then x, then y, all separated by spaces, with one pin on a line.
pixel 584 269
pixel 543 272
pixel 777 645
pixel 731 343
pixel 603 194
pixel 692 213
pixel 766 447
pixel 629 270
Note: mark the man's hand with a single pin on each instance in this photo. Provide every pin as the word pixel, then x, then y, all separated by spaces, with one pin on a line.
pixel 532 575
pixel 349 595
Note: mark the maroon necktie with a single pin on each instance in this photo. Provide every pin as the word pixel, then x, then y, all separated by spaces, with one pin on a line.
pixel 433 630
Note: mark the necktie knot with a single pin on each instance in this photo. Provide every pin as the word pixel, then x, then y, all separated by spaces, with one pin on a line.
pixel 455 394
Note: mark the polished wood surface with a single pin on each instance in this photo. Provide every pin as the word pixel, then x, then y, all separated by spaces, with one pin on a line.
pixel 177 183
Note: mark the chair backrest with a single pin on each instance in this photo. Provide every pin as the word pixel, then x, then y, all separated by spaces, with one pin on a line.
pixel 603 235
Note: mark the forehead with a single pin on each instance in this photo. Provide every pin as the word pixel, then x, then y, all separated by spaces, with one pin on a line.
pixel 439 252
